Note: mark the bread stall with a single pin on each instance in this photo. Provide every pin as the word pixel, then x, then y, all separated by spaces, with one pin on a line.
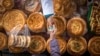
pixel 27 27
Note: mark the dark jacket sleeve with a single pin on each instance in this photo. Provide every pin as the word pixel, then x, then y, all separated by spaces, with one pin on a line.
pixel 54 48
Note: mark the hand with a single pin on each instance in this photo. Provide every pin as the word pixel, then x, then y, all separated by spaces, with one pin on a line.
pixel 50 25
pixel 53 32
pixel 51 28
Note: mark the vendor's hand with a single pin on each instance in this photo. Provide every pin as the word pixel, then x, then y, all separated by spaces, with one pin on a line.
pixel 50 24
pixel 52 33
pixel 51 28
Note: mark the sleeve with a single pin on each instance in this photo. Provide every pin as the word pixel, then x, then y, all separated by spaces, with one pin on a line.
pixel 54 48
pixel 47 7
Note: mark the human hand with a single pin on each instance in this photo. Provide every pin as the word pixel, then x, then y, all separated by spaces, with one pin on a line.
pixel 52 32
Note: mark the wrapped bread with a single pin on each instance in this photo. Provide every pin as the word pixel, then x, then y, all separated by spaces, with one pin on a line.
pixel 59 22
pixel 28 41
pixel 8 4
pixel 61 42
pixel 36 22
pixel 24 41
pixel 32 5
pixel 3 41
pixel 94 46
pixel 12 44
pixel 19 41
pixel 38 44
pixel 76 27
pixel 11 40
pixel 64 7
pixel 13 18
pixel 77 46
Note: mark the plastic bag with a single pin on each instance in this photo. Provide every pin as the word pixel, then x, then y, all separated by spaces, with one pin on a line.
pixel 19 39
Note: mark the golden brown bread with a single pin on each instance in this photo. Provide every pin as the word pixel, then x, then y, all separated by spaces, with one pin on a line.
pixel 94 45
pixel 8 4
pixel 64 7
pixel 32 5
pixel 36 22
pixel 77 46
pixel 15 49
pixel 13 18
pixel 12 44
pixel 38 44
pixel 3 41
pixel 1 22
pixel 2 9
pixel 61 42
pixel 76 27
pixel 59 22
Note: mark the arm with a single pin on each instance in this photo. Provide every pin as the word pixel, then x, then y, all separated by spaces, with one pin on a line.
pixel 54 47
